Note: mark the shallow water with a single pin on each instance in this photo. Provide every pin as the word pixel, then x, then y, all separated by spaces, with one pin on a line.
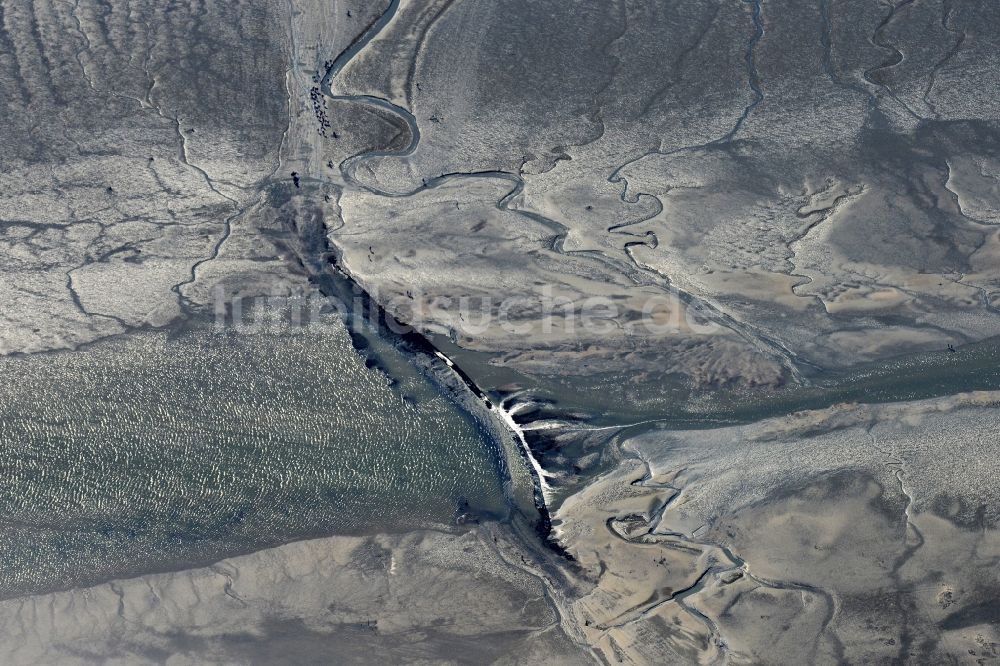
pixel 164 450
pixel 621 399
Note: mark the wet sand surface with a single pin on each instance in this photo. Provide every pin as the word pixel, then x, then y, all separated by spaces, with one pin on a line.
pixel 797 469
pixel 421 598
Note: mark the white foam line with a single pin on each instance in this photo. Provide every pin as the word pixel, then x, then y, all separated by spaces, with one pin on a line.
pixel 444 358
pixel 508 418
pixel 542 475
pixel 547 425
pixel 612 427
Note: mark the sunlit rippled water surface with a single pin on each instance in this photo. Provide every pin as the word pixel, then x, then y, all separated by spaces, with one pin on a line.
pixel 158 451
